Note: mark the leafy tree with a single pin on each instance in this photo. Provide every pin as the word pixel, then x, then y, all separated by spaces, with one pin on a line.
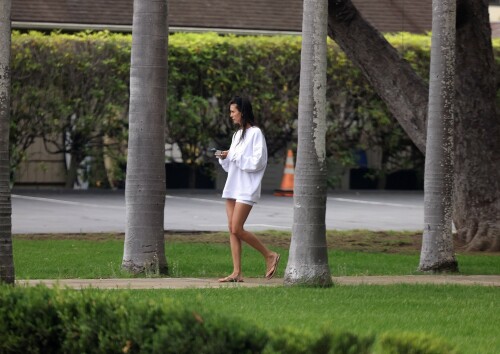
pixel 192 124
pixel 91 105
pixel 6 259
pixel 437 244
pixel 35 98
pixel 308 260
pixel 145 182
pixel 206 68
pixel 70 90
pixel 476 153
pixel 357 120
pixel 26 119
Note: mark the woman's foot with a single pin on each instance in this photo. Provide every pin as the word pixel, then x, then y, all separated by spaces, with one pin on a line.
pixel 272 265
pixel 233 278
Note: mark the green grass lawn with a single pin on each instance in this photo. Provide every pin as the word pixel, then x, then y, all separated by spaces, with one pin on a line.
pixel 207 255
pixel 466 316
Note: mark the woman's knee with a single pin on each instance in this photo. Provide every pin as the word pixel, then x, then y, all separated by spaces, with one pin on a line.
pixel 237 231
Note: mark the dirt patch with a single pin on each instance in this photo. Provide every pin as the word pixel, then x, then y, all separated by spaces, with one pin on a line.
pixel 359 241
pixel 354 240
pixel 82 236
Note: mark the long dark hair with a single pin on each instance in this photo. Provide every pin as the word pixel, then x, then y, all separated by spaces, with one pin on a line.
pixel 245 107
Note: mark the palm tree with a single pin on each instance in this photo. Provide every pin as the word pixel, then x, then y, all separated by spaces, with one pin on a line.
pixel 308 259
pixel 7 274
pixel 477 152
pixel 145 179
pixel 437 244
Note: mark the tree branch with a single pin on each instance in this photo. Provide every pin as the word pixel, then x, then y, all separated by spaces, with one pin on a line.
pixel 392 77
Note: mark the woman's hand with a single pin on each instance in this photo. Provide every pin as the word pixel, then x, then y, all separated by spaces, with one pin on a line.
pixel 223 154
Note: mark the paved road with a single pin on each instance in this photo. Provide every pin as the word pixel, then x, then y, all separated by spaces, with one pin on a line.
pixel 56 211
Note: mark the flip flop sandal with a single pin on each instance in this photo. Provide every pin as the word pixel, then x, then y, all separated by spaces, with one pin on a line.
pixel 230 279
pixel 273 269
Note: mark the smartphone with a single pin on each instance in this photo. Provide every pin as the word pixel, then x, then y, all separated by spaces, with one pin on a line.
pixel 216 152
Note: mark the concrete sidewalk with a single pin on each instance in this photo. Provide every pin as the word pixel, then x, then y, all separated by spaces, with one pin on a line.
pixel 186 283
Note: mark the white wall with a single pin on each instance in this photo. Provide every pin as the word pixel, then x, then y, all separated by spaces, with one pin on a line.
pixel 494 13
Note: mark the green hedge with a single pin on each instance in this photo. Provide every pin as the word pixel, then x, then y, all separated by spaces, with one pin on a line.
pixel 414 343
pixel 43 320
pixel 40 320
pixel 72 90
pixel 77 84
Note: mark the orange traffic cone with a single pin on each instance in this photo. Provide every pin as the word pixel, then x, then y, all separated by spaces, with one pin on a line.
pixel 286 189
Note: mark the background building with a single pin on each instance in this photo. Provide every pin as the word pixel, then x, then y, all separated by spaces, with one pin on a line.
pixel 234 16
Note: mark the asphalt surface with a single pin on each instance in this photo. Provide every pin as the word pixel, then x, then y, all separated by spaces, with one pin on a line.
pixel 61 211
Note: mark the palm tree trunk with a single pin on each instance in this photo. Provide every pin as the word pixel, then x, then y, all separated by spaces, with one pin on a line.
pixel 477 149
pixel 437 244
pixel 7 274
pixel 308 259
pixel 477 124
pixel 145 180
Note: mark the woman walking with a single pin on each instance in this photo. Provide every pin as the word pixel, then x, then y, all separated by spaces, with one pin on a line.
pixel 245 163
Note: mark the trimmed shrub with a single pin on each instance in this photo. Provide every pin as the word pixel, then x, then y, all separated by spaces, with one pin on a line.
pixel 29 321
pixel 72 90
pixel 43 320
pixel 414 343
pixel 292 341
pixel 76 86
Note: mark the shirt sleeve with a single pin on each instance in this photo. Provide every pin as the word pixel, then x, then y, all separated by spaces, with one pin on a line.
pixel 224 163
pixel 254 157
pixel 227 161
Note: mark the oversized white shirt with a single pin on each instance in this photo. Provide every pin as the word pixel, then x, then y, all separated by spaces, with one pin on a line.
pixel 245 164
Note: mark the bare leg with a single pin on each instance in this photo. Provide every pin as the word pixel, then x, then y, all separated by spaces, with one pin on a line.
pixel 240 213
pixel 234 241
